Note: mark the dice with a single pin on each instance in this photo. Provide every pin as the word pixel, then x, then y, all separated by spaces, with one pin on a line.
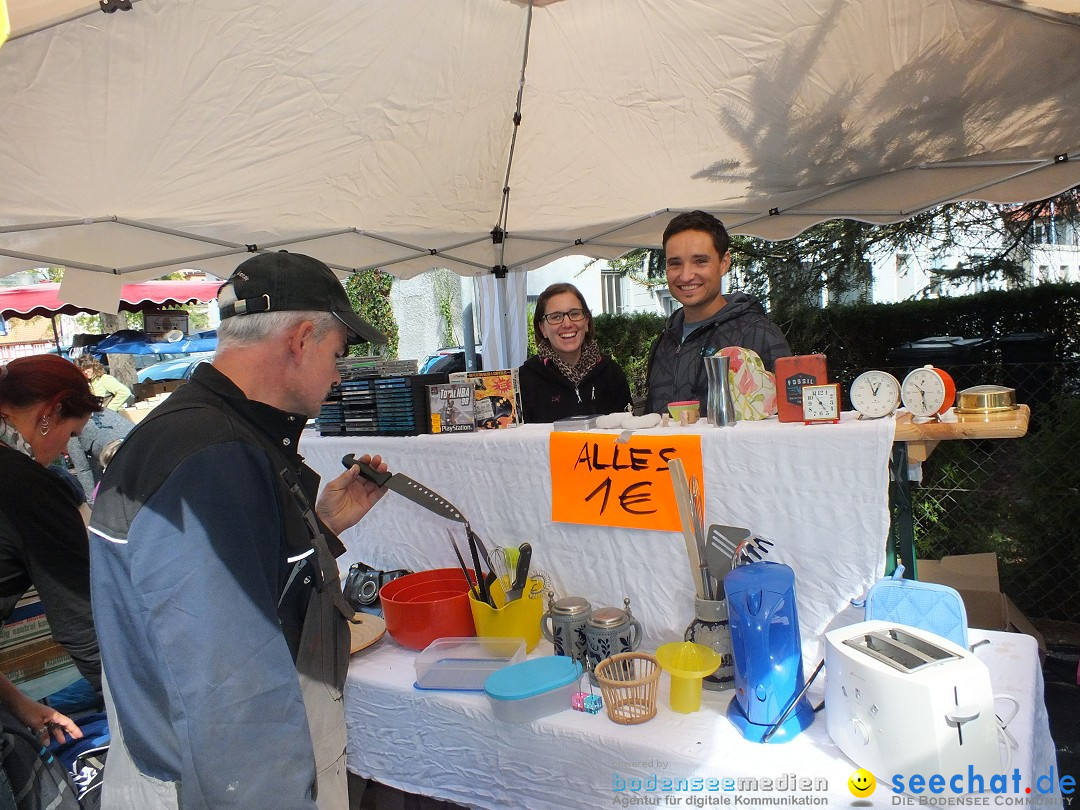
pixel 584 702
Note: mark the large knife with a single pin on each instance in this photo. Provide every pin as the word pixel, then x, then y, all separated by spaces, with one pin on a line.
pixel 521 575
pixel 413 490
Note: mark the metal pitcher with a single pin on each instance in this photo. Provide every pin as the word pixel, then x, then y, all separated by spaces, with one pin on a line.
pixel 721 406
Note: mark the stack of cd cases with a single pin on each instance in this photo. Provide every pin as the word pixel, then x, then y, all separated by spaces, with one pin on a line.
pixel 377 397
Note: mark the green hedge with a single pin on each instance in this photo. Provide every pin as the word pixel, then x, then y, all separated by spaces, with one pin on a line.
pixel 627 338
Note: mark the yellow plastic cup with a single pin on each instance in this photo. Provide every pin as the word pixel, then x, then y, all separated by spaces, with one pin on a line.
pixel 687 663
pixel 517 619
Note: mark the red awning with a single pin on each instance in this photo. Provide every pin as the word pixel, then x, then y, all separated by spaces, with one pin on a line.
pixel 41 299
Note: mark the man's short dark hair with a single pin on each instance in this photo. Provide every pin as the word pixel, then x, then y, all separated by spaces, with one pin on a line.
pixel 700 221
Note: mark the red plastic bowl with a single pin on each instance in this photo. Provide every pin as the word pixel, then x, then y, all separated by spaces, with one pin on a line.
pixel 413 621
pixel 424 591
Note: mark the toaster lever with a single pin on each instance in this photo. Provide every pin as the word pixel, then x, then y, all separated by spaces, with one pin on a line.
pixel 962 714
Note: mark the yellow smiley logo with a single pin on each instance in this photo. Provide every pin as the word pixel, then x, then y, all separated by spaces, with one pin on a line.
pixel 861 783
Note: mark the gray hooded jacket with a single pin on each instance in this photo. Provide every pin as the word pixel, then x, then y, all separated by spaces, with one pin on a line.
pixel 676 371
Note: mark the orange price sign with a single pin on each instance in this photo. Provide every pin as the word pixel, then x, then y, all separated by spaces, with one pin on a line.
pixel 596 481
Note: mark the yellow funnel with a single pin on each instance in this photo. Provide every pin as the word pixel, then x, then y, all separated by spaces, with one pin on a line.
pixel 687 663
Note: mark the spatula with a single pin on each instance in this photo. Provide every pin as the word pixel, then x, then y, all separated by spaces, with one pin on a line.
pixel 720 545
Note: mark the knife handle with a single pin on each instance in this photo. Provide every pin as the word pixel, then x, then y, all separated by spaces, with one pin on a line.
pixel 521 575
pixel 370 473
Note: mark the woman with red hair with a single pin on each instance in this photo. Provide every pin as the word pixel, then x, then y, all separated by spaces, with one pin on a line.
pixel 45 401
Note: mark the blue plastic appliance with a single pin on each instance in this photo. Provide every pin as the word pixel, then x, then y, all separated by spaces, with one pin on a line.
pixel 767 649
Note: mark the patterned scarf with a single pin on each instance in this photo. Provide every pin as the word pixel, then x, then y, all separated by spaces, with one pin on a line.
pixel 11 437
pixel 590 356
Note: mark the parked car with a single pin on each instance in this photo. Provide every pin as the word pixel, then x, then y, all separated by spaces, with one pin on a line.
pixel 178 368
pixel 448 360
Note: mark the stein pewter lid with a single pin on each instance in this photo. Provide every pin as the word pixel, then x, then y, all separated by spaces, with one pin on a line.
pixel 571 606
pixel 607 617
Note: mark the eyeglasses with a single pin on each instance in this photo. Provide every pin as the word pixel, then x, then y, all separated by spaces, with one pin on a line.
pixel 557 317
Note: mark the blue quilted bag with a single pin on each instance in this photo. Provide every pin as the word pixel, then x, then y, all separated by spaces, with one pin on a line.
pixel 925 605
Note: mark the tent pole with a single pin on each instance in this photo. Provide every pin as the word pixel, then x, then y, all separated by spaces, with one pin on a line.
pixel 56 335
pixel 468 328
pixel 502 333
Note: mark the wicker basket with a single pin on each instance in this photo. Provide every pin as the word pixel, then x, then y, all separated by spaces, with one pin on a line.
pixel 628 682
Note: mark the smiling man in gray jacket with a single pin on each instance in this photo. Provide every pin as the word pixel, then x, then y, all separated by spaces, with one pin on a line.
pixel 697 256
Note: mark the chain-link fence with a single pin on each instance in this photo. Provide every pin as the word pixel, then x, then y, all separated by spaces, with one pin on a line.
pixel 1017 497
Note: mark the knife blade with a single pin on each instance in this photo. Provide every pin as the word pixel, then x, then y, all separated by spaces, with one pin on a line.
pixel 413 490
pixel 491 575
pixel 521 575
pixel 464 567
pixel 481 583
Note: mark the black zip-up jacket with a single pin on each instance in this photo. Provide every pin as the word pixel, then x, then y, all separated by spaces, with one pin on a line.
pixel 43 543
pixel 547 395
pixel 193 543
pixel 676 370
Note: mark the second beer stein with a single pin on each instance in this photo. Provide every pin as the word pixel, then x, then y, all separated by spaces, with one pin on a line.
pixel 611 630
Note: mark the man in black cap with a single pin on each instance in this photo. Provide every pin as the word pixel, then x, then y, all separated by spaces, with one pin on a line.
pixel 216 596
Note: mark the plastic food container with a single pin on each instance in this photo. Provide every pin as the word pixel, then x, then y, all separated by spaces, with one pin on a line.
pixel 465 663
pixel 521 693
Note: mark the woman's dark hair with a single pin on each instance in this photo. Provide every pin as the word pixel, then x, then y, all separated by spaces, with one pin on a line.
pixel 547 295
pixel 700 221
pixel 27 381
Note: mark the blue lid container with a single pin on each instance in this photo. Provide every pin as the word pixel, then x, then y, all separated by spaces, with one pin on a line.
pixel 530 678
pixel 533 689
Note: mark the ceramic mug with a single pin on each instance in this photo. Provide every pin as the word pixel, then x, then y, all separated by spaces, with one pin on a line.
pixel 610 630
pixel 564 626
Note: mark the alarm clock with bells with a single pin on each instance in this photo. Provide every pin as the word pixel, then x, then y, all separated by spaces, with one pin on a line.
pixel 875 394
pixel 928 392
pixel 821 403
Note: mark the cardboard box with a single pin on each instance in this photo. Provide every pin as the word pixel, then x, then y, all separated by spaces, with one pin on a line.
pixel 975 576
pixel 147 390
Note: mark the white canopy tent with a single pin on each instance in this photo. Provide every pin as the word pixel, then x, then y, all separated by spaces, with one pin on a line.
pixel 382 134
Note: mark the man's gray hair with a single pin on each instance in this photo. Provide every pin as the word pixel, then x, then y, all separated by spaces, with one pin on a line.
pixel 244 330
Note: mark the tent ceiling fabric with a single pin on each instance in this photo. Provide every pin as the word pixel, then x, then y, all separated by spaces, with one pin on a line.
pixel 376 134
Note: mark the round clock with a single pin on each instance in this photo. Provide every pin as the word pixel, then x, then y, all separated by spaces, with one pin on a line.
pixel 875 394
pixel 928 391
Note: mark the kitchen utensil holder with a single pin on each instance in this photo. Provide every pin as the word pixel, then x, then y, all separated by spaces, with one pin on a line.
pixel 519 618
pixel 710 628
pixel 628 683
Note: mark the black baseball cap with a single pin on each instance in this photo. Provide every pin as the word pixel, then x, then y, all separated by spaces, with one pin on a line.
pixel 292 282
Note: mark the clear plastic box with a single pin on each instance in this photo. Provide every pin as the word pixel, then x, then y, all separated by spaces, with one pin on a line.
pixel 533 689
pixel 465 663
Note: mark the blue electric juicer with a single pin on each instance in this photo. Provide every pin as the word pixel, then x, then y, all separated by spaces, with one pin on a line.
pixel 767 649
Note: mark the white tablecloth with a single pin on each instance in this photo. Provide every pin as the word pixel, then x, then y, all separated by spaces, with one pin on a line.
pixel 819 491
pixel 448 744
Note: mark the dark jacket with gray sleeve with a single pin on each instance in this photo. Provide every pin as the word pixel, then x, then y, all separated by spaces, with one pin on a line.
pixel 210 594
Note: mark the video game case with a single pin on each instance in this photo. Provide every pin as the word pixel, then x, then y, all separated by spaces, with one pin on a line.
pixel 450 408
pixel 496 397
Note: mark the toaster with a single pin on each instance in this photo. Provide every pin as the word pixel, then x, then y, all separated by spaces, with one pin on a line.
pixel 899 700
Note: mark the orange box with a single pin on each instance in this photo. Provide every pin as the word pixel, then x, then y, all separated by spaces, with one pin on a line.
pixel 792 373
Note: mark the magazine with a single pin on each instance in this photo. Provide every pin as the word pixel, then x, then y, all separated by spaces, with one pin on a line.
pixel 496 397
pixel 450 408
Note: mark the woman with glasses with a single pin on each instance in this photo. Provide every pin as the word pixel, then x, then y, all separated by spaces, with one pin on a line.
pixel 568 376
